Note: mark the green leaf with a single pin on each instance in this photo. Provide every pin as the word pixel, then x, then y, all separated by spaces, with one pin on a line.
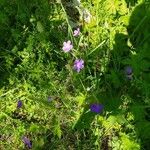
pixel 80 99
pixel 34 128
pixel 40 27
pixel 56 127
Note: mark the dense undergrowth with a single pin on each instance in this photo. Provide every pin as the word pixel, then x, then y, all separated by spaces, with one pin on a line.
pixel 45 103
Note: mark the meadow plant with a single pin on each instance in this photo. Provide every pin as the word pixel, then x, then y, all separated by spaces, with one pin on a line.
pixel 27 142
pixel 19 104
pixel 78 65
pixel 96 108
pixel 129 72
pixel 67 46
pixel 76 32
pixel 79 100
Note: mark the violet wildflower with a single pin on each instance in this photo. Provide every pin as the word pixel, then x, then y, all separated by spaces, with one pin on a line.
pixel 27 142
pixel 76 32
pixel 50 99
pixel 97 108
pixel 128 72
pixel 67 46
pixel 19 104
pixel 78 64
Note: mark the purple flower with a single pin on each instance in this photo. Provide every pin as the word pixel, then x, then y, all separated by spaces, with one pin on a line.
pixel 76 32
pixel 78 64
pixel 19 104
pixel 27 142
pixel 128 72
pixel 50 99
pixel 97 108
pixel 67 46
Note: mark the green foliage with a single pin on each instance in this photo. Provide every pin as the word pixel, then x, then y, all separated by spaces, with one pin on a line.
pixel 55 111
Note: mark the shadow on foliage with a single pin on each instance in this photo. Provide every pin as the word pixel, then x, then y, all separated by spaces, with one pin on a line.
pixel 29 28
pixel 131 2
pixel 139 35
pixel 133 50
